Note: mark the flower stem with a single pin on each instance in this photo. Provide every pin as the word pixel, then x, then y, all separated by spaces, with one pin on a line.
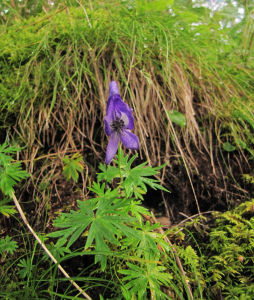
pixel 119 166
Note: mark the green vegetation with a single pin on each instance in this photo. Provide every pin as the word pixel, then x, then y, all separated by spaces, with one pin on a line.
pixel 187 73
pixel 224 252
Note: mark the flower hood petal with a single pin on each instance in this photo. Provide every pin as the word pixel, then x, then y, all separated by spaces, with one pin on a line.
pixel 113 89
pixel 130 140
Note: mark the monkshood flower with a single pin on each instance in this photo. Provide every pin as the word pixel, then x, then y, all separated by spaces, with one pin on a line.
pixel 119 122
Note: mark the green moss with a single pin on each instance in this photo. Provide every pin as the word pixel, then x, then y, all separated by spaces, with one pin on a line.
pixel 224 259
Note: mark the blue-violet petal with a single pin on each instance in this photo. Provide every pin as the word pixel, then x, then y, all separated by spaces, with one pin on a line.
pixel 130 140
pixel 113 88
pixel 112 147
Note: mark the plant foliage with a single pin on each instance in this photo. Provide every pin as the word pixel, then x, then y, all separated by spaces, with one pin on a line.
pixel 5 209
pixel 7 245
pixel 113 225
pixel 225 264
pixel 10 172
pixel 73 166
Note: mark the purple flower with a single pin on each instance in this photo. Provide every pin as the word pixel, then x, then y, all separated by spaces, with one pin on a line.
pixel 118 123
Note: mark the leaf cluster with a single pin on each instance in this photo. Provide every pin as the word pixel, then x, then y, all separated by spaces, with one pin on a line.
pixel 7 245
pixel 112 226
pixel 10 172
pixel 73 166
pixel 134 181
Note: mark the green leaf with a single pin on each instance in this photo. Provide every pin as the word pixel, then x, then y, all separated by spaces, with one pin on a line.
pixel 98 189
pixel 147 241
pixel 26 267
pixel 104 216
pixel 6 210
pixel 10 172
pixel 57 251
pixel 135 179
pixel 7 245
pixel 148 276
pixel 177 117
pixel 107 222
pixel 137 210
pixel 148 244
pixel 108 173
pixel 228 147
pixel 73 166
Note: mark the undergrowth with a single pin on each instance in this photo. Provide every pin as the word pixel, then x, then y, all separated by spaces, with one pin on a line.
pixel 133 256
pixel 223 252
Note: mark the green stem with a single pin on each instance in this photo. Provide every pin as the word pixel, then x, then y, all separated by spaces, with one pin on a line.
pixel 119 166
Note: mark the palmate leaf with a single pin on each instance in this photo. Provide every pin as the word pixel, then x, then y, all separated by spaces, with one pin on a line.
pixel 57 250
pixel 6 210
pixel 106 220
pixel 98 189
pixel 10 175
pixel 135 179
pixel 73 166
pixel 138 178
pixel 74 223
pixel 148 243
pixel 137 210
pixel 111 172
pixel 10 172
pixel 148 276
pixel 108 225
pixel 7 245
pixel 26 267
pixel 108 173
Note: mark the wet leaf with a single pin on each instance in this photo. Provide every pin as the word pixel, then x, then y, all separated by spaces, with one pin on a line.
pixel 177 118
pixel 228 147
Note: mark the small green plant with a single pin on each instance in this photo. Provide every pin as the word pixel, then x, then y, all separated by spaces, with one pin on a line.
pixel 10 172
pixel 26 267
pixel 73 166
pixel 113 225
pixel 7 245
